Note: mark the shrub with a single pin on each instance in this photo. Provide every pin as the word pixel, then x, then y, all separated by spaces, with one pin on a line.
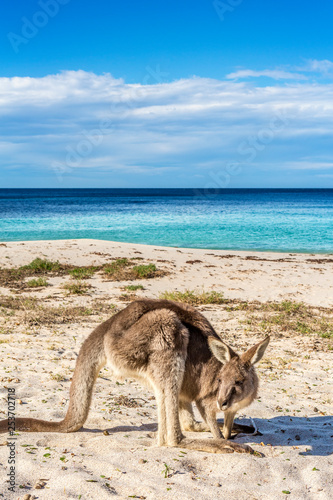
pixel 39 265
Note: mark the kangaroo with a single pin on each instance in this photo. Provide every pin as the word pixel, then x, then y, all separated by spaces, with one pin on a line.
pixel 174 349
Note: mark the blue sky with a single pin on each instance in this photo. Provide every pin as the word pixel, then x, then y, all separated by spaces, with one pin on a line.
pixel 235 93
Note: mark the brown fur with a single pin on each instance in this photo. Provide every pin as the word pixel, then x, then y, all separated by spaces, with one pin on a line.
pixel 174 349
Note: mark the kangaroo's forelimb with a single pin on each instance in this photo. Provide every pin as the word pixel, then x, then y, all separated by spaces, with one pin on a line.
pixel 188 423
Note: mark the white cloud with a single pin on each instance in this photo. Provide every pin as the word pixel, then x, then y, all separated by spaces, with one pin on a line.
pixel 84 121
pixel 276 74
pixel 311 68
pixel 310 165
pixel 314 66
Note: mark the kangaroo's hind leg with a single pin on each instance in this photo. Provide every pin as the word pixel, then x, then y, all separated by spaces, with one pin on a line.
pixel 167 396
pixel 166 371
pixel 161 417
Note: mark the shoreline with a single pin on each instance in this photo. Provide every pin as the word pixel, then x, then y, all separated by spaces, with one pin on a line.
pixel 189 249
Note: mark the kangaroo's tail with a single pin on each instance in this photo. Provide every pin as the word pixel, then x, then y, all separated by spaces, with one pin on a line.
pixel 90 360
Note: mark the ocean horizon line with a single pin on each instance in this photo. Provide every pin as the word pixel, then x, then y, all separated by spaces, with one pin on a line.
pixel 166 189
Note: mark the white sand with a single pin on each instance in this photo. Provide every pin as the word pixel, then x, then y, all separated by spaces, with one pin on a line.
pixel 293 412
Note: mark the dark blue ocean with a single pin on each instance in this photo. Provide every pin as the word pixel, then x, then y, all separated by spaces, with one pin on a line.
pixel 287 220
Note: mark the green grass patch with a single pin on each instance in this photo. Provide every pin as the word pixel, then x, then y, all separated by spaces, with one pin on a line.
pixel 123 269
pixel 41 265
pixel 36 283
pixel 116 266
pixel 82 272
pixel 143 271
pixel 195 298
pixel 134 288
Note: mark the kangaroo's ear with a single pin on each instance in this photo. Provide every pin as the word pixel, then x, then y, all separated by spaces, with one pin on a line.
pixel 255 353
pixel 221 351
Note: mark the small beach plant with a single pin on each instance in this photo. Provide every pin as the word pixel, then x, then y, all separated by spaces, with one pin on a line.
pixel 144 270
pixel 36 283
pixel 77 288
pixel 82 272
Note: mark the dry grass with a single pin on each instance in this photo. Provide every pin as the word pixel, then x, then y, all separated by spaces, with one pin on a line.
pixel 11 303
pixel 126 401
pixel 275 318
pixel 195 298
pixel 57 377
pixel 77 288
pixel 290 317
pixel 31 312
pixel 15 278
pixel 128 297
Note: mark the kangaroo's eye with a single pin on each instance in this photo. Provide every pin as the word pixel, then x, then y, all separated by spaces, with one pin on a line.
pixel 219 380
pixel 238 382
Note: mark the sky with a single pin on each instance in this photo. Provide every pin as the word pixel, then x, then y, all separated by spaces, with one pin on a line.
pixel 200 93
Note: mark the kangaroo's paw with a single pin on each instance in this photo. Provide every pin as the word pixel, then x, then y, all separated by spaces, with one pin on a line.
pixel 240 448
pixel 215 446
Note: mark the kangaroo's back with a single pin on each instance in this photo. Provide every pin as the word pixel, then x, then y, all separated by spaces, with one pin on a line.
pixel 188 315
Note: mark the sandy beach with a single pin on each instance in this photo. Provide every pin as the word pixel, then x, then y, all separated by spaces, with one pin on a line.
pixel 43 324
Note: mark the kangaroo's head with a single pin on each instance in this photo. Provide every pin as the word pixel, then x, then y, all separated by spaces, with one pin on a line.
pixel 238 381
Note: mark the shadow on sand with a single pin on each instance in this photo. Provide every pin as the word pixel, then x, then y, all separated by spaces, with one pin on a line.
pixel 316 433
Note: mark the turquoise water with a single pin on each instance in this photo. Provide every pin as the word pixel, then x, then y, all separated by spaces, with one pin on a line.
pixel 278 220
